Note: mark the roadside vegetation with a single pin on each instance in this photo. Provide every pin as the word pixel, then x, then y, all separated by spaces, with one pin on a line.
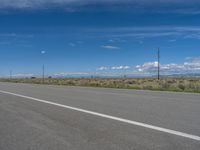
pixel 164 84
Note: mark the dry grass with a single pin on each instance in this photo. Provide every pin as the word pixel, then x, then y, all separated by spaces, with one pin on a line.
pixel 165 84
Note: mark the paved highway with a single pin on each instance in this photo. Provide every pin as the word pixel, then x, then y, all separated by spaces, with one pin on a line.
pixel 41 117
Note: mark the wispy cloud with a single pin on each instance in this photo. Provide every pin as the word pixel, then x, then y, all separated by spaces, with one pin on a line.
pixel 193 59
pixel 72 44
pixel 114 68
pixel 4 42
pixel 75 43
pixel 110 47
pixel 172 32
pixel 148 35
pixel 161 6
pixel 102 68
pixel 172 40
pixel 8 34
pixel 22 75
pixel 15 35
pixel 63 74
pixel 117 40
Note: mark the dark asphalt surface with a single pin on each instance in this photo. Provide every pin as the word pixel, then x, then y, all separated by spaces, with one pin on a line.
pixel 31 125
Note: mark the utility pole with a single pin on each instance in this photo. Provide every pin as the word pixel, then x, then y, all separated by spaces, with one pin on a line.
pixel 10 74
pixel 158 53
pixel 43 67
pixel 43 74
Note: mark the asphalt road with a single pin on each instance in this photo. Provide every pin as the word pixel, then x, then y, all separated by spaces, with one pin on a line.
pixel 28 124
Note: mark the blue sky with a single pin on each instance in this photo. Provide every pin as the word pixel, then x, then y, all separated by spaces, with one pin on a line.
pixel 99 37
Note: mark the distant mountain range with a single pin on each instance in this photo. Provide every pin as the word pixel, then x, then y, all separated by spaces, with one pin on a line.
pixel 185 75
pixel 116 76
pixel 132 76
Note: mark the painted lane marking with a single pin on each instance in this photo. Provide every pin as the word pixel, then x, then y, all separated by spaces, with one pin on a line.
pixel 165 130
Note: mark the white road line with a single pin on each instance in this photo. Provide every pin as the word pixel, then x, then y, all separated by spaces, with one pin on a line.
pixel 189 136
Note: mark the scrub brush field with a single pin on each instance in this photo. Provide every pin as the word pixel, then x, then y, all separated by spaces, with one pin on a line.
pixel 190 84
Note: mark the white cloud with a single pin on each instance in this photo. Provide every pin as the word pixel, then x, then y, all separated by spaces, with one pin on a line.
pixel 120 68
pixel 43 52
pixel 151 34
pixel 182 6
pixel 114 68
pixel 149 68
pixel 23 75
pixel 8 34
pixel 172 40
pixel 62 74
pixel 72 44
pixel 193 59
pixel 103 68
pixel 112 41
pixel 110 47
pixel 117 40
